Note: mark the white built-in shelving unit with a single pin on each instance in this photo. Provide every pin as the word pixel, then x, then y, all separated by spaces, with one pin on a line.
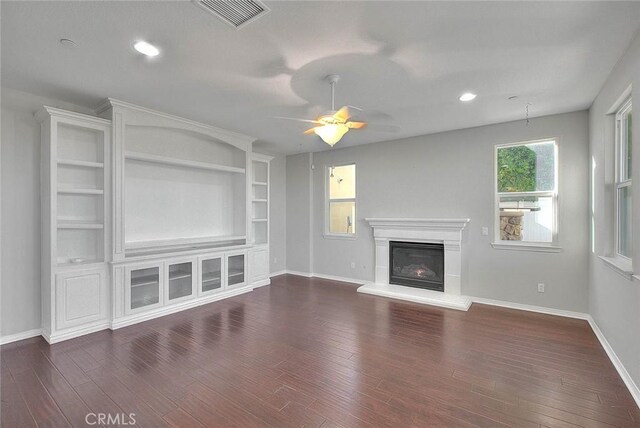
pixel 260 191
pixel 146 214
pixel 75 178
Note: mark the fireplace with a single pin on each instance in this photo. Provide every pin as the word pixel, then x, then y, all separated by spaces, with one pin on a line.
pixel 416 264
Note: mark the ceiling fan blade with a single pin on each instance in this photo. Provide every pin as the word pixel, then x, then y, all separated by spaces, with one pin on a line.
pixel 342 115
pixel 310 131
pixel 356 125
pixel 297 120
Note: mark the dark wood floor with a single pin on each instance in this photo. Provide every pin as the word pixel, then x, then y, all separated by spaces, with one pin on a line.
pixel 316 353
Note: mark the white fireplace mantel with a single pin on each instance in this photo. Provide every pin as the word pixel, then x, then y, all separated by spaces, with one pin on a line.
pixel 445 231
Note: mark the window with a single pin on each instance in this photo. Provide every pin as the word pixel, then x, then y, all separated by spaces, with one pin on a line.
pixel 623 180
pixel 526 193
pixel 341 200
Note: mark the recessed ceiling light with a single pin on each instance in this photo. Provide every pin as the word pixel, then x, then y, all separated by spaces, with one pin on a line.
pixel 146 48
pixel 467 96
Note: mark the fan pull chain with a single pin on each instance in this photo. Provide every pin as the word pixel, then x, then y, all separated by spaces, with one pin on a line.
pixel 526 108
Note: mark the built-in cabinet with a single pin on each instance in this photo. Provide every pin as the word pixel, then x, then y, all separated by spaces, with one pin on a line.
pixel 260 220
pixel 145 214
pixel 75 173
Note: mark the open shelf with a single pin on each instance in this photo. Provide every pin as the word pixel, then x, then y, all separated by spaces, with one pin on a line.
pixel 73 224
pixel 168 244
pixel 257 220
pixel 144 157
pixel 80 191
pixel 81 163
pixel 259 200
pixel 259 183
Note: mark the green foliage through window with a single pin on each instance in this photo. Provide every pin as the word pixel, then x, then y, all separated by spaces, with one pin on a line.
pixel 526 168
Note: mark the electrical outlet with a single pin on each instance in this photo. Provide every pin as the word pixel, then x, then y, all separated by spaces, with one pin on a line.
pixel 540 287
pixel 485 231
pixel 353 265
pixel 275 260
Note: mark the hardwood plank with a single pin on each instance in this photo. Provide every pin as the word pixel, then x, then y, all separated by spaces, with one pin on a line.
pixel 42 407
pixel 315 353
pixel 14 411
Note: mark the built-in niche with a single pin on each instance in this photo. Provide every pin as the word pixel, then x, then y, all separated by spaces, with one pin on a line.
pixel 182 187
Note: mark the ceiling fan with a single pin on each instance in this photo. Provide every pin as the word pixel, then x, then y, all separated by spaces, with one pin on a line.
pixel 332 126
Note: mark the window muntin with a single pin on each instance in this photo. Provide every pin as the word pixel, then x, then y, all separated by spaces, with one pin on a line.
pixel 526 192
pixel 623 180
pixel 341 200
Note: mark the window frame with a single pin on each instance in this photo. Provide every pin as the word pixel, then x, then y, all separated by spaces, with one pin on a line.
pixel 552 246
pixel 327 203
pixel 620 172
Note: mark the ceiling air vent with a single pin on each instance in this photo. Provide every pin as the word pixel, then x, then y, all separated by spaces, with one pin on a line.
pixel 236 13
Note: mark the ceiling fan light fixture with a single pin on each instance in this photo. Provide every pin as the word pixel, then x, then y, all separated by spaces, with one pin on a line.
pixel 331 133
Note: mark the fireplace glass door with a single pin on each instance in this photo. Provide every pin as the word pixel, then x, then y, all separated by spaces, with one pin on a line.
pixel 417 264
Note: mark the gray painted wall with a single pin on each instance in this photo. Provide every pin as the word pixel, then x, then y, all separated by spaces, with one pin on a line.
pixel 614 301
pixel 278 214
pixel 298 212
pixel 451 175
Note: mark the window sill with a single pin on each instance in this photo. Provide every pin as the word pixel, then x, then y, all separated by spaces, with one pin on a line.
pixel 339 236
pixel 528 246
pixel 621 266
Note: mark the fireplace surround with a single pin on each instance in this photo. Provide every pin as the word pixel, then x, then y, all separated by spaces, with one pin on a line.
pixel 444 232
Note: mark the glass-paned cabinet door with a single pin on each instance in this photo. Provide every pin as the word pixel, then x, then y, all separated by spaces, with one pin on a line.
pixel 144 287
pixel 210 274
pixel 236 270
pixel 180 280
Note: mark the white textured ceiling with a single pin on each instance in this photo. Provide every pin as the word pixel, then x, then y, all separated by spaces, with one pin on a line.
pixel 406 63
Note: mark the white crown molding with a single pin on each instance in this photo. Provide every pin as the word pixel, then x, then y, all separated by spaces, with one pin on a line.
pixel 226 135
pixel 46 111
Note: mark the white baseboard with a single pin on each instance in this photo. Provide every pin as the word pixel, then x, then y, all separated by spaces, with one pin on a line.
pixel 20 336
pixel 278 273
pixel 338 278
pixel 74 332
pixel 531 308
pixel 295 272
pixel 622 371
